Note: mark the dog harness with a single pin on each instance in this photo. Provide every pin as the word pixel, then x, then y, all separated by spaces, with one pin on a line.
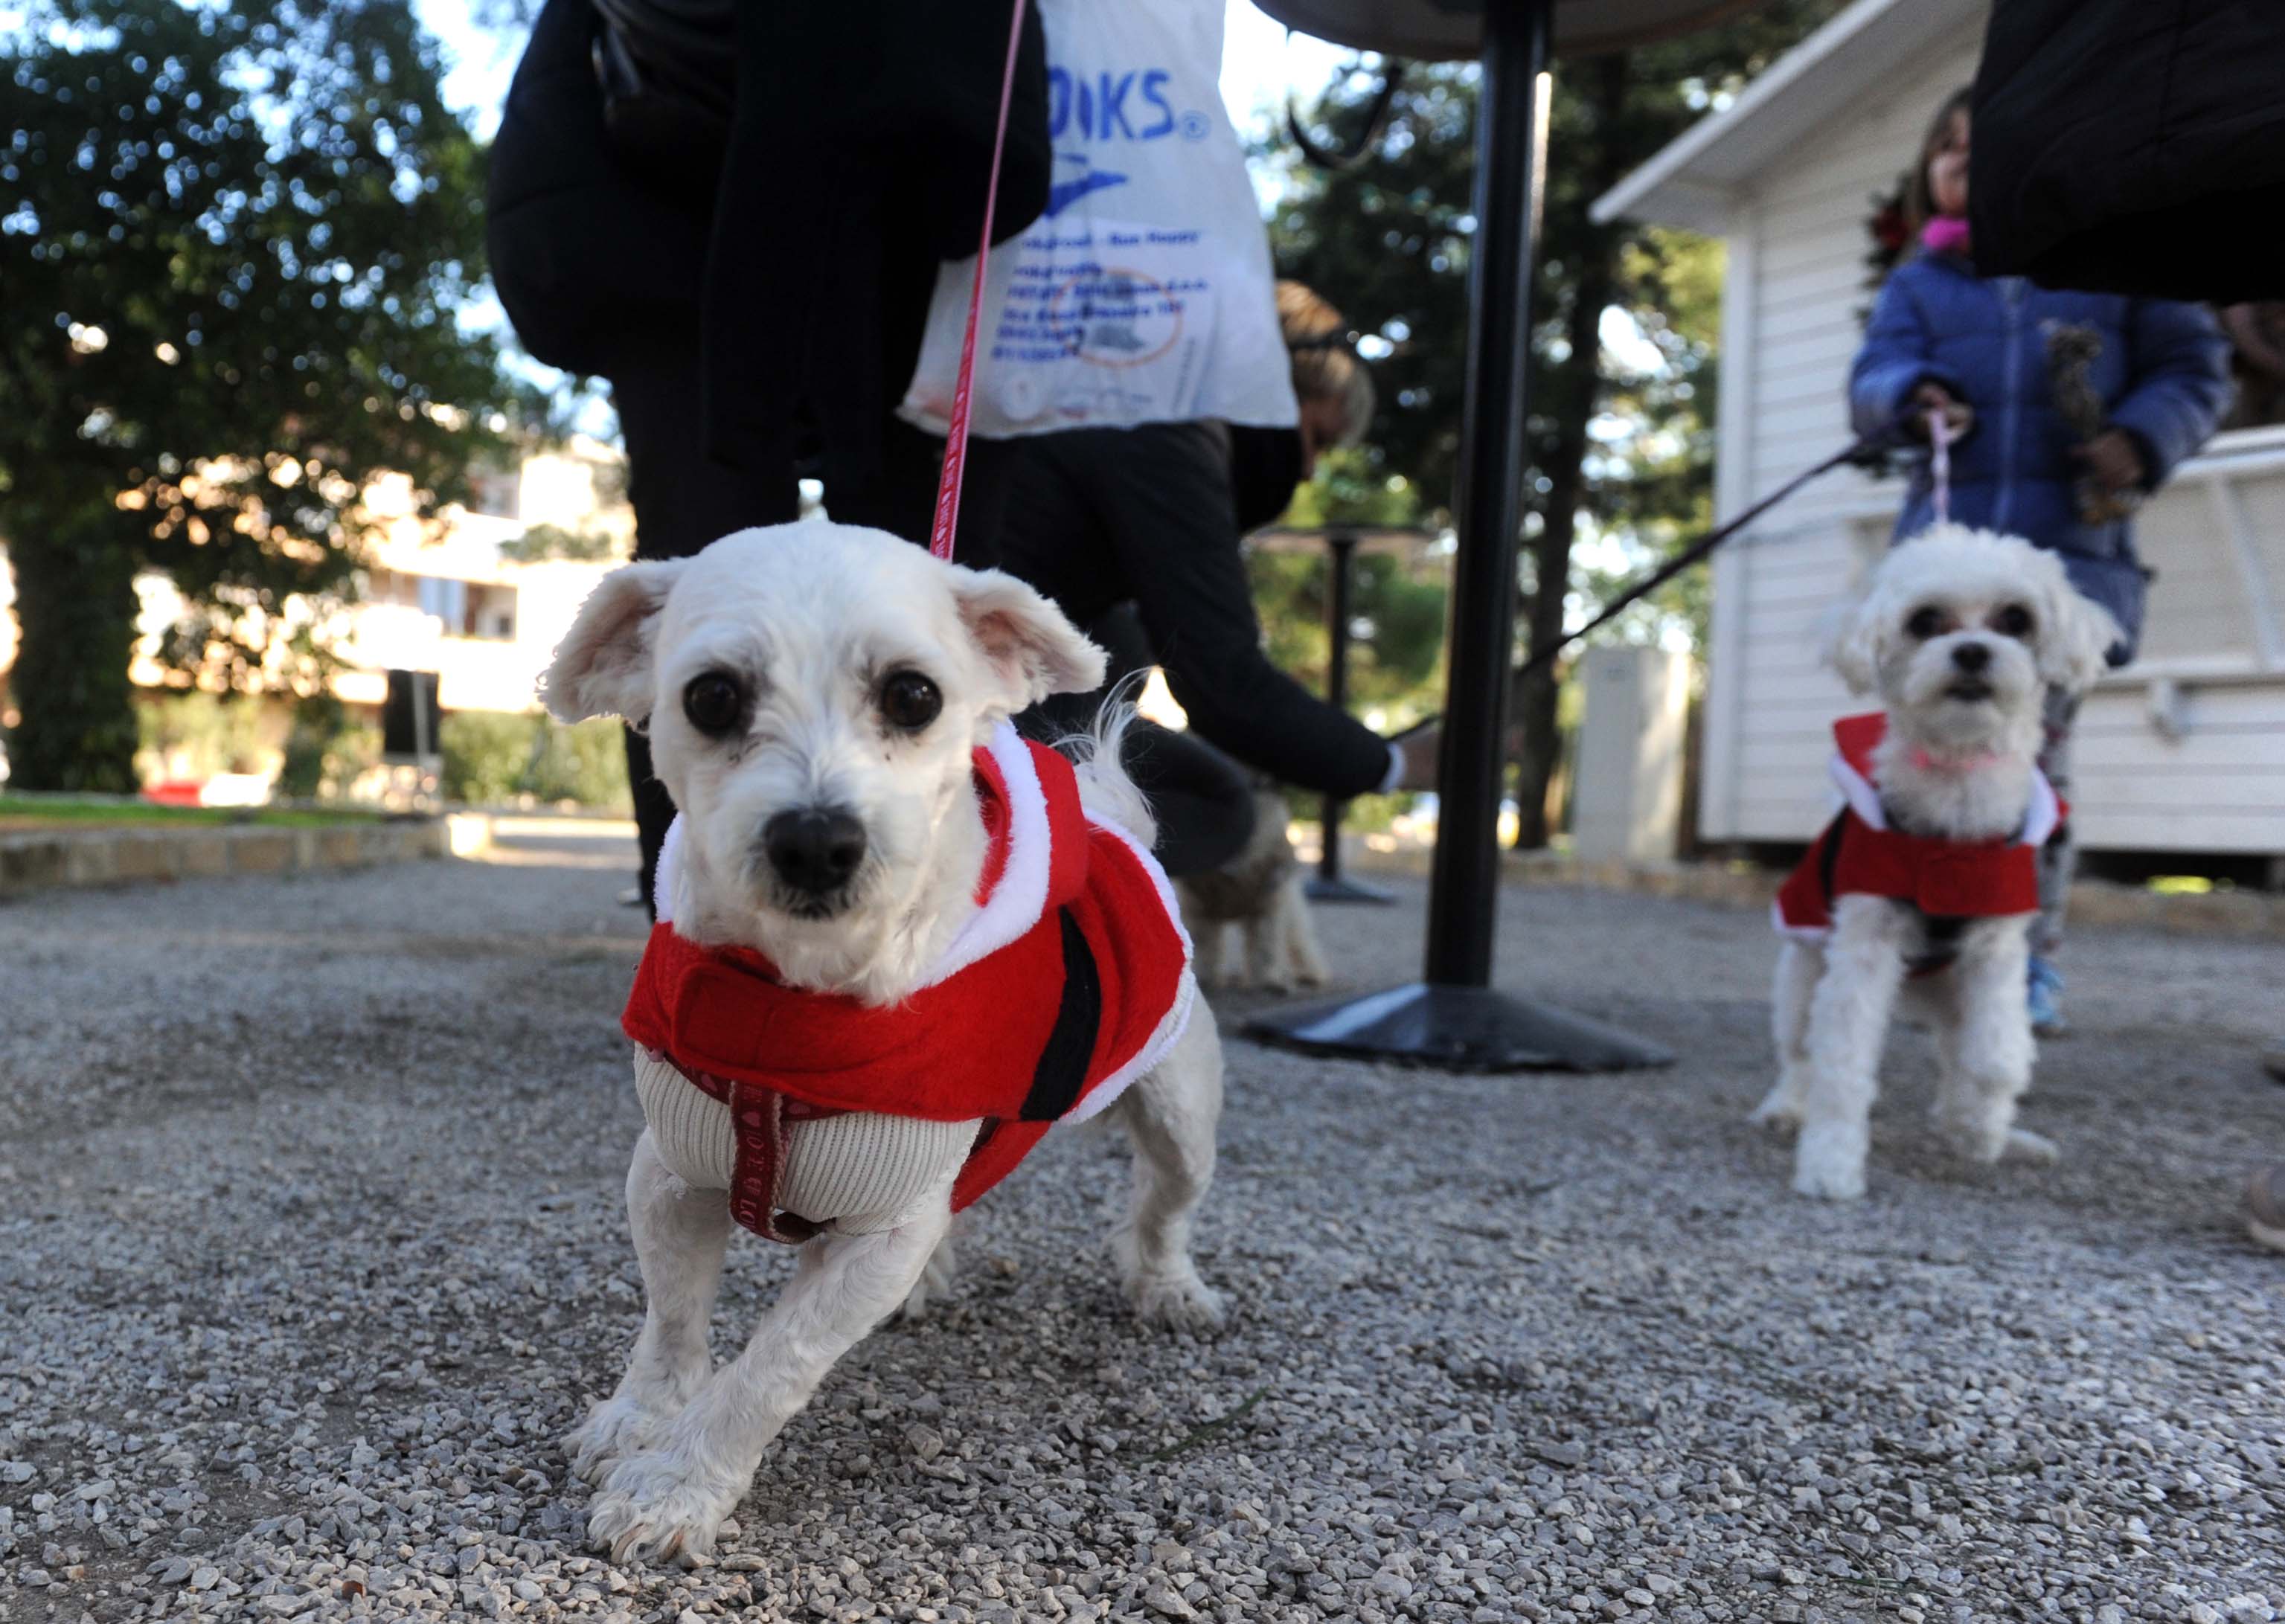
pixel 1950 881
pixel 1068 980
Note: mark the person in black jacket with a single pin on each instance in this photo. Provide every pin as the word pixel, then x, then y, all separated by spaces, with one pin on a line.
pixel 736 214
pixel 1134 533
pixel 2131 148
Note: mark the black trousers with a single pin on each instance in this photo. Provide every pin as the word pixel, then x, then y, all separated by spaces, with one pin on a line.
pixel 683 501
pixel 601 262
pixel 1203 800
pixel 1097 517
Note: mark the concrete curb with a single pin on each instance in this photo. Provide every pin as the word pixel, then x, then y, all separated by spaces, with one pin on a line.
pixel 45 860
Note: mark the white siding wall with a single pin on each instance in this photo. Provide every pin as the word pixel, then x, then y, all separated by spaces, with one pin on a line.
pixel 1797 245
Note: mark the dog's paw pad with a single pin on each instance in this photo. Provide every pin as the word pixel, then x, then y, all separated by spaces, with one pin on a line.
pixel 1177 1303
pixel 2024 1146
pixel 650 1513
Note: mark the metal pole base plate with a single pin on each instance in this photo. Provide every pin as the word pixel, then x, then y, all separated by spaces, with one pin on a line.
pixel 1340 887
pixel 1463 1029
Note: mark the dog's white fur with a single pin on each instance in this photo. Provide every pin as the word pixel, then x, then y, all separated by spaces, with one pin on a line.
pixel 810 618
pixel 1949 766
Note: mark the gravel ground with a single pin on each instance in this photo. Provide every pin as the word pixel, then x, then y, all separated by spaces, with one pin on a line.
pixel 310 1247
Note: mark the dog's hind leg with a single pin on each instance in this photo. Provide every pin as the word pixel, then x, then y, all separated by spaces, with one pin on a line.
pixel 1799 967
pixel 1171 1115
pixel 669 1501
pixel 1267 967
pixel 1205 949
pixel 1299 931
pixel 1988 1049
pixel 1848 1025
pixel 679 1234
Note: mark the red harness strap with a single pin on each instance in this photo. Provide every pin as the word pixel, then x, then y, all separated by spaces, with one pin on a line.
pixel 757 1119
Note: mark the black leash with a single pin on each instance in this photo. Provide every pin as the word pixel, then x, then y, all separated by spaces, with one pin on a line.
pixel 1866 450
pixel 1697 550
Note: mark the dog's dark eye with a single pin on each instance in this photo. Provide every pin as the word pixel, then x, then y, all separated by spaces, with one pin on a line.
pixel 1924 622
pixel 715 701
pixel 2014 621
pixel 910 701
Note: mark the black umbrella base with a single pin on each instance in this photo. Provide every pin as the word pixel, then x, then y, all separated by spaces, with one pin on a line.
pixel 1463 1029
pixel 1340 887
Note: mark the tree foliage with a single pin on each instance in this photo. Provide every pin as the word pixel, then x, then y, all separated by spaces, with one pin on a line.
pixel 235 238
pixel 1619 434
pixel 1397 602
pixel 542 543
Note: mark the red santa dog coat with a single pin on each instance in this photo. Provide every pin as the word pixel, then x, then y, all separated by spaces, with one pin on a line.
pixel 1859 854
pixel 1066 983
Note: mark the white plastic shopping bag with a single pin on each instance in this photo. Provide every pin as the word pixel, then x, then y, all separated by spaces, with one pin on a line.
pixel 1145 294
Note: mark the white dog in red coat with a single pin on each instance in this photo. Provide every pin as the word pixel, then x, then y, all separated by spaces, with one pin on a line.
pixel 897 944
pixel 1928 879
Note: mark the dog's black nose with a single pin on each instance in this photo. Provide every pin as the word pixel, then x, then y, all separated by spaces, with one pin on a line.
pixel 1971 656
pixel 816 850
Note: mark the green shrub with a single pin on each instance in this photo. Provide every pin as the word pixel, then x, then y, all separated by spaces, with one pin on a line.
pixel 491 757
pixel 321 728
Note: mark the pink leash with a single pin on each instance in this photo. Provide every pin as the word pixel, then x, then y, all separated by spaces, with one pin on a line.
pixel 1939 459
pixel 955 438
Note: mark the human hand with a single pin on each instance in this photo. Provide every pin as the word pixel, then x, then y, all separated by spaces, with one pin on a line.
pixel 1421 745
pixel 2113 460
pixel 1958 414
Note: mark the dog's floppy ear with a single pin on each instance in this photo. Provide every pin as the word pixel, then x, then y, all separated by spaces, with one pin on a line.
pixel 2080 634
pixel 1025 640
pixel 602 667
pixel 1854 648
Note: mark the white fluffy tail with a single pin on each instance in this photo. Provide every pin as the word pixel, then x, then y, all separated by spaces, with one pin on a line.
pixel 1104 790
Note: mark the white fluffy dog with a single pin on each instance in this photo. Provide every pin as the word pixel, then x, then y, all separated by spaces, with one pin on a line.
pixel 1927 879
pixel 823 702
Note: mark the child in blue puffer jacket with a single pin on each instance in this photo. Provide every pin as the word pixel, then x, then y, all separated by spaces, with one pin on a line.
pixel 1943 339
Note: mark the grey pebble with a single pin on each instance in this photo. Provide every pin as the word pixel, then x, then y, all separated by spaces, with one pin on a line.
pixel 314 1248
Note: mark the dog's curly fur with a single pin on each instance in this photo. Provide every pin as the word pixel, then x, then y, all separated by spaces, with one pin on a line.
pixel 1957 761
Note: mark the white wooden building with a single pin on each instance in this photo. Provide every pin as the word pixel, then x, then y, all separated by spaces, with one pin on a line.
pixel 2183 751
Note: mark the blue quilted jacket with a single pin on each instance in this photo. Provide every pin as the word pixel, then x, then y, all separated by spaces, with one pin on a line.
pixel 2163 371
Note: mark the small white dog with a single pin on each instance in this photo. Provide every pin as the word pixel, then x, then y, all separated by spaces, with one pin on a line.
pixel 1927 879
pixel 897 944
pixel 1260 892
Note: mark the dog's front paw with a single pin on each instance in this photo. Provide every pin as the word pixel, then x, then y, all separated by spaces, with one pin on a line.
pixel 658 1507
pixel 2025 1146
pixel 1829 1163
pixel 1176 1301
pixel 615 1427
pixel 1780 1109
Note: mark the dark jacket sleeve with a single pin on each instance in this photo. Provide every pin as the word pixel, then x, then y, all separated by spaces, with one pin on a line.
pixel 2127 147
pixel 1895 358
pixel 2181 383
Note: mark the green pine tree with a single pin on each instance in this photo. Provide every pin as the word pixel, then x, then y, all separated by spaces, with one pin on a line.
pixel 235 240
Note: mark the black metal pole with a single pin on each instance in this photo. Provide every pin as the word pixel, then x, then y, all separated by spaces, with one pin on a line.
pixel 1488 508
pixel 1453 1016
pixel 1343 544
